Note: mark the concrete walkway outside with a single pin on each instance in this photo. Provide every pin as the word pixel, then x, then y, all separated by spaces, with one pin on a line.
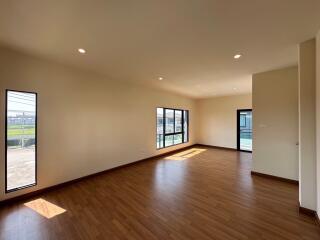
pixel 21 167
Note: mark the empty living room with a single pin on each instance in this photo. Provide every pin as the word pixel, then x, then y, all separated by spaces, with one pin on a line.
pixel 160 120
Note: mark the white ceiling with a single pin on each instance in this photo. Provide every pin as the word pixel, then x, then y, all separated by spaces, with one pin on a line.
pixel 190 43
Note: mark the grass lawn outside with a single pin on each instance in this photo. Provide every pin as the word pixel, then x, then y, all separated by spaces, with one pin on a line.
pixel 16 131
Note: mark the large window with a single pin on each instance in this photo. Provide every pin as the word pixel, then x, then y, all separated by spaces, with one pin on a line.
pixel 172 127
pixel 21 140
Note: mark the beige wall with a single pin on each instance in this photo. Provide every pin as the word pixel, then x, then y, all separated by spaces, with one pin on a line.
pixel 218 119
pixel 275 122
pixel 318 119
pixel 86 123
pixel 307 125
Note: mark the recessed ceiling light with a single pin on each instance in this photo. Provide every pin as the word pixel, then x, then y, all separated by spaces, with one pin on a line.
pixel 81 50
pixel 237 56
pixel 234 88
pixel 160 78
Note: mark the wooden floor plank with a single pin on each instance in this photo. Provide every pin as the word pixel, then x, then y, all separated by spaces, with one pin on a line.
pixel 209 195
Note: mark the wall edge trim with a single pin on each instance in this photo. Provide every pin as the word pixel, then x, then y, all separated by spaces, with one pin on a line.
pixel 287 180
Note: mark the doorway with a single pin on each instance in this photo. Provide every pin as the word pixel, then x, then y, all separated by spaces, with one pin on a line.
pixel 244 130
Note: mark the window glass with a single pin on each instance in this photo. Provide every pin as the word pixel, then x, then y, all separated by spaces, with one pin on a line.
pixel 172 127
pixel 20 140
pixel 186 126
pixel 178 121
pixel 169 140
pixel 242 120
pixel 177 138
pixel 159 127
pixel 169 123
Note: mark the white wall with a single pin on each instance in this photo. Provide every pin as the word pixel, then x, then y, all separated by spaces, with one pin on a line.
pixel 86 123
pixel 307 125
pixel 275 123
pixel 218 119
pixel 318 119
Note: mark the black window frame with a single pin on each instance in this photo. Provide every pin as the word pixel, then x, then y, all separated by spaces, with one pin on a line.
pixel 6 145
pixel 164 134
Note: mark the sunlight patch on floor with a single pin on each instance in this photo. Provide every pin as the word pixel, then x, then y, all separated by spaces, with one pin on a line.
pixel 186 154
pixel 45 208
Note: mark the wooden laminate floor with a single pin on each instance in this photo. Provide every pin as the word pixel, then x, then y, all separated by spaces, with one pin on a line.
pixel 207 194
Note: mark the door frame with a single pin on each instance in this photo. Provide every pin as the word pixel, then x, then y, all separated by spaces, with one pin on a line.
pixel 238 128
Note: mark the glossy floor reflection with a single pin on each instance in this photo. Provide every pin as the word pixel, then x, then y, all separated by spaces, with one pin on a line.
pixel 206 195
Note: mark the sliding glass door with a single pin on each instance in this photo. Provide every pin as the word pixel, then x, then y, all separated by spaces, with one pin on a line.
pixel 244 130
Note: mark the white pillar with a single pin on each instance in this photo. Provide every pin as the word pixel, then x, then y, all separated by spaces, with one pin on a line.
pixel 307 125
